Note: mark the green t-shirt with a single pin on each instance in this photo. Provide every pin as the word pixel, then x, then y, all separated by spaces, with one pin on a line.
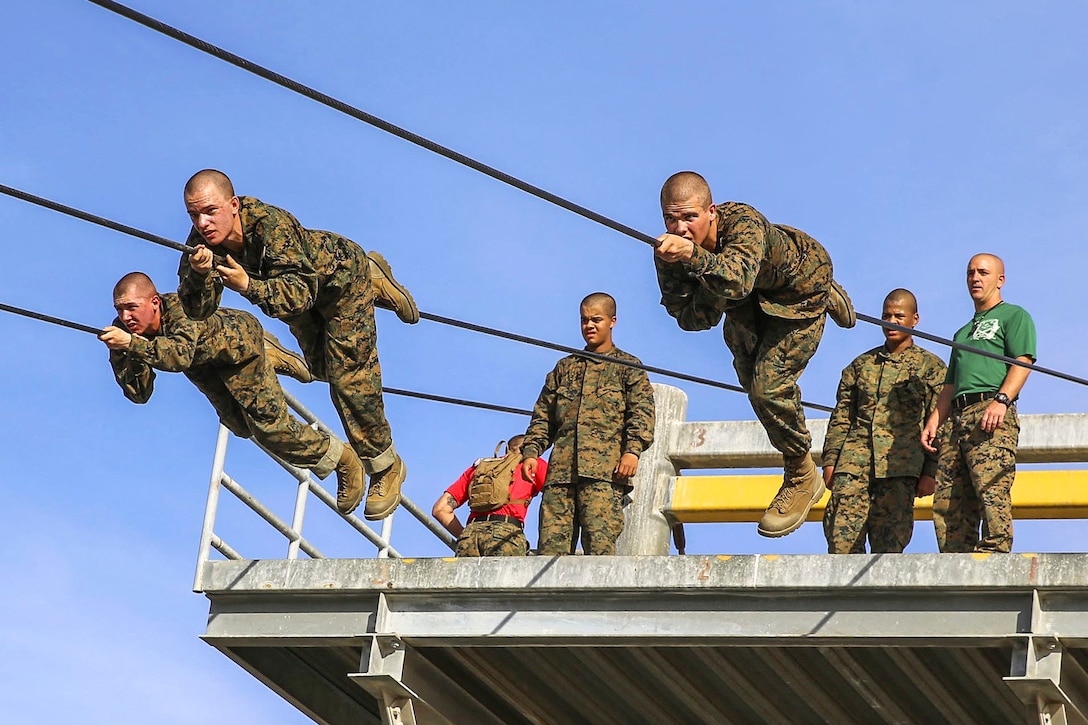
pixel 1005 329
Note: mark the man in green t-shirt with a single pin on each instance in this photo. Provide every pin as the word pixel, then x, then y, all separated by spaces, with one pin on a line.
pixel 977 462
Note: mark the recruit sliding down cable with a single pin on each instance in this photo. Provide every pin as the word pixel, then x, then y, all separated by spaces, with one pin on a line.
pixel 392 391
pixel 368 118
pixel 424 315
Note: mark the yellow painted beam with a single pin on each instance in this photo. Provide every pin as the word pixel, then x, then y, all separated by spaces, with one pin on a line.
pixel 710 499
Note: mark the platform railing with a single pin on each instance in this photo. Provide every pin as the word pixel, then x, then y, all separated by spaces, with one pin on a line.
pixel 663 497
pixel 292 532
pixel 666 495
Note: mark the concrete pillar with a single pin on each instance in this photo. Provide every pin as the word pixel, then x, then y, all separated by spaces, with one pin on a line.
pixel 646 530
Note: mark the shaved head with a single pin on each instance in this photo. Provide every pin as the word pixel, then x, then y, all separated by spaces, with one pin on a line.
pixel 996 263
pixel 902 298
pixel 136 284
pixel 985 278
pixel 214 209
pixel 683 186
pixel 602 299
pixel 209 177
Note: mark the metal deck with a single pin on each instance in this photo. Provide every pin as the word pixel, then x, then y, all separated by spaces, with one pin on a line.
pixel 649 638
pixel 697 639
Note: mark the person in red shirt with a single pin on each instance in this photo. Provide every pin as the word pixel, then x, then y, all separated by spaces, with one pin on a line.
pixel 496 533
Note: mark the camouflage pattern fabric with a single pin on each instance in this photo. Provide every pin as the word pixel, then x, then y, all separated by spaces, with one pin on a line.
pixel 880 510
pixel 975 473
pixel 786 271
pixel 873 441
pixel 319 284
pixel 224 357
pixel 772 283
pixel 882 404
pixel 596 506
pixel 768 372
pixel 492 538
pixel 593 412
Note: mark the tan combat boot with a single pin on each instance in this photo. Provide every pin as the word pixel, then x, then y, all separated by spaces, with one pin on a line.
pixel 839 306
pixel 390 294
pixel 350 481
pixel 384 494
pixel 802 486
pixel 284 361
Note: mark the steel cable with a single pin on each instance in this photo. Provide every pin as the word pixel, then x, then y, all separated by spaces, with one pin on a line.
pixel 361 115
pixel 392 391
pixel 593 355
pixel 94 219
pixel 48 318
pixel 368 118
pixel 967 348
pixel 64 209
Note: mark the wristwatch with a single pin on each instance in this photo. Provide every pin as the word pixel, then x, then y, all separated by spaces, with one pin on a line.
pixel 1003 399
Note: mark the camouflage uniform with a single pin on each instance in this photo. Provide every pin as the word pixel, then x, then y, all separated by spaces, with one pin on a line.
pixel 593 412
pixel 492 538
pixel 319 284
pixel 771 282
pixel 874 442
pixel 224 357
pixel 974 483
pixel 976 469
pixel 485 536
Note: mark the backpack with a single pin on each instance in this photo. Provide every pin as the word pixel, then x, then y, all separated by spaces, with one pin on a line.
pixel 491 482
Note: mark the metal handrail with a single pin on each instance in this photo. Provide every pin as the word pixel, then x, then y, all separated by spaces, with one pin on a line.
pixel 207 532
pixel 225 549
pixel 265 513
pixel 427 520
pixel 292 532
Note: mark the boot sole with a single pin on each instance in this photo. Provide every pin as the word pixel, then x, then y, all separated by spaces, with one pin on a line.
pixel 352 509
pixel 383 265
pixel 804 517
pixel 852 320
pixel 379 515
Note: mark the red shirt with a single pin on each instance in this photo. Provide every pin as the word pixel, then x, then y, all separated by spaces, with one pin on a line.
pixel 520 489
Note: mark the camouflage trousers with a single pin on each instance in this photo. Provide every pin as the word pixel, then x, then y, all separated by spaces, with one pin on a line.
pixel 975 473
pixel 594 506
pixel 249 400
pixel 878 509
pixel 492 538
pixel 339 339
pixel 769 355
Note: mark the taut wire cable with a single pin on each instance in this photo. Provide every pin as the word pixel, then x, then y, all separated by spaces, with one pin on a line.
pixel 64 209
pixel 368 118
pixel 977 351
pixel 392 391
pixel 94 219
pixel 359 114
pixel 49 318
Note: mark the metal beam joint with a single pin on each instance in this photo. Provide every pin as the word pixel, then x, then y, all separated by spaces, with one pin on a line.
pixel 1048 680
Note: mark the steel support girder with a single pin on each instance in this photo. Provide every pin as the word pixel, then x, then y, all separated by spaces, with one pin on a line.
pixel 1046 677
pixel 412 691
pixel 380 674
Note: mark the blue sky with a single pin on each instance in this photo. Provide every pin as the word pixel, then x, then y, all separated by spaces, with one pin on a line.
pixel 904 137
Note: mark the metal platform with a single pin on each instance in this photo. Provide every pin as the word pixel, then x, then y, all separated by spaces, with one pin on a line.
pixel 694 639
pixel 650 638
